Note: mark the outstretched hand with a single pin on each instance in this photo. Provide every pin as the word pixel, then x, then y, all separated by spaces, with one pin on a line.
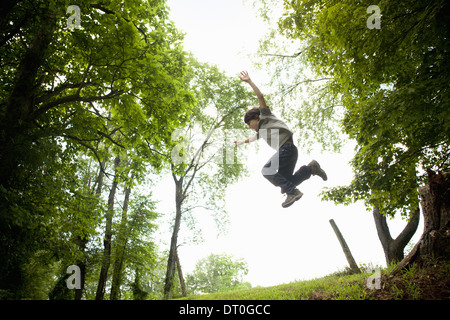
pixel 244 76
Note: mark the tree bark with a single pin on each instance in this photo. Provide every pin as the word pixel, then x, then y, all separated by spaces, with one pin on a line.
pixel 435 240
pixel 20 103
pixel 122 239
pixel 393 249
pixel 173 243
pixel 108 235
pixel 180 275
pixel 82 241
pixel 351 261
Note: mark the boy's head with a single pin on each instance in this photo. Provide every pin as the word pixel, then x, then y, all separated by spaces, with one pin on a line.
pixel 251 118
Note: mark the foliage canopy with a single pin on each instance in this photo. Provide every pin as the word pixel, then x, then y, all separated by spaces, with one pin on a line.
pixel 393 84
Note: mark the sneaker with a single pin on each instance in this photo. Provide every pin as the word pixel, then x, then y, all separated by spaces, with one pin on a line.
pixel 291 198
pixel 317 171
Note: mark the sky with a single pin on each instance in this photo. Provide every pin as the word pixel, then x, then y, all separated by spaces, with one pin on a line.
pixel 218 31
pixel 280 245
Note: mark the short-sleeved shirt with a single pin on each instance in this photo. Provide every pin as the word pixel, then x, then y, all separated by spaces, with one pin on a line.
pixel 274 131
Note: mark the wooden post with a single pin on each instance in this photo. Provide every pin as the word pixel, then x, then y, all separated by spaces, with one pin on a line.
pixel 345 248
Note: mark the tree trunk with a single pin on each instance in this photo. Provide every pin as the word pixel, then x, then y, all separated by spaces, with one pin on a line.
pixel 82 241
pixel 173 243
pixel 435 240
pixel 18 120
pixel 345 248
pixel 16 137
pixel 122 239
pixel 393 249
pixel 180 275
pixel 108 235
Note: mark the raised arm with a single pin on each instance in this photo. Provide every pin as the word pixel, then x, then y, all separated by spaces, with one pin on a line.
pixel 246 78
pixel 251 139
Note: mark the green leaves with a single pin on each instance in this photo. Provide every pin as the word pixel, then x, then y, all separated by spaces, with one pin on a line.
pixel 203 153
pixel 71 99
pixel 217 273
pixel 393 87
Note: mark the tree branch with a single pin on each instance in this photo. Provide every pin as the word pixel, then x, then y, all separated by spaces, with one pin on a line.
pixel 73 98
pixel 61 88
pixel 107 11
pixel 282 55
pixel 382 228
pixel 97 112
pixel 109 137
pixel 80 141
pixel 293 86
pixel 154 150
pixel 403 238
pixel 195 207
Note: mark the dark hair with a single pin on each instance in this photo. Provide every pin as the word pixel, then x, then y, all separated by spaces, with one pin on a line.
pixel 252 114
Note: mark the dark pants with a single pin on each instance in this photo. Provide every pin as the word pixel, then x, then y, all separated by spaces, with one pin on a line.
pixel 280 167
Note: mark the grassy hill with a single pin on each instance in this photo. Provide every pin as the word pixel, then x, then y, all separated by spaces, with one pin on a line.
pixel 431 282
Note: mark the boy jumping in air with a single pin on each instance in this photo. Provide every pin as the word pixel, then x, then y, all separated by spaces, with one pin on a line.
pixel 280 167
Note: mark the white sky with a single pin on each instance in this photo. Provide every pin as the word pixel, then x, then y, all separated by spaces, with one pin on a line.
pixel 218 31
pixel 279 245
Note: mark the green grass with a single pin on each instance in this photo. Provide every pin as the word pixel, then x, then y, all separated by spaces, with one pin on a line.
pixel 430 282
pixel 331 287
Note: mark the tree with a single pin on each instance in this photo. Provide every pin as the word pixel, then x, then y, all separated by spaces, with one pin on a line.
pixel 107 241
pixel 392 83
pixel 74 229
pixel 135 250
pixel 302 96
pixel 122 239
pixel 386 78
pixel 394 248
pixel 77 69
pixel 217 273
pixel 199 162
pixel 435 240
pixel 109 86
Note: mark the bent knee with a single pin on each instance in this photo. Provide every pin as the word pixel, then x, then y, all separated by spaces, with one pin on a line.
pixel 268 171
